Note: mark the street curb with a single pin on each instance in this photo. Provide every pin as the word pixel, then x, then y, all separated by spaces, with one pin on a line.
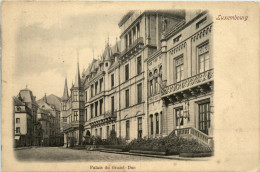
pixel 157 156
pixel 21 148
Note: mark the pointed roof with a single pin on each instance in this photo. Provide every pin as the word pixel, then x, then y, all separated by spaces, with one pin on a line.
pixel 27 96
pixel 65 92
pixel 45 98
pixel 107 53
pixel 77 77
pixel 116 47
pixel 53 101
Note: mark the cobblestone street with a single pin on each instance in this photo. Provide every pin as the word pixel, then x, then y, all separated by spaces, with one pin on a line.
pixel 64 154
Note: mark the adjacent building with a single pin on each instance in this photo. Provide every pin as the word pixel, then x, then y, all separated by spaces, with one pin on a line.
pixel 36 123
pixel 51 106
pixel 23 129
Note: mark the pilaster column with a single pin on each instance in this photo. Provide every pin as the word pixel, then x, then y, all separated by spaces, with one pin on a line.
pixel 164 58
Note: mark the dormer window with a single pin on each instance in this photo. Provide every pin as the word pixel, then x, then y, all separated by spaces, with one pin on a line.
pixel 106 64
pixel 18 108
pixel 201 22
pixel 177 39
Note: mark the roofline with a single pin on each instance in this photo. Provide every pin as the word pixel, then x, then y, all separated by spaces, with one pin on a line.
pixel 125 18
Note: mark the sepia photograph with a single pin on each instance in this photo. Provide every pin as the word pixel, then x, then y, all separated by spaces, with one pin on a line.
pixel 93 83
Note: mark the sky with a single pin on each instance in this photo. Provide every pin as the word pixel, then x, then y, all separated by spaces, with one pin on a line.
pixel 47 42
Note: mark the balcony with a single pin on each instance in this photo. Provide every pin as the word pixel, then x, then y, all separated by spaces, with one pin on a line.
pixel 197 84
pixel 72 125
pixel 188 83
pixel 107 117
pixel 133 48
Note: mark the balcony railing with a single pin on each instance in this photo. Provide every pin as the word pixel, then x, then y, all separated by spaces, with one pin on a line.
pixel 136 42
pixel 106 117
pixel 189 82
pixel 73 124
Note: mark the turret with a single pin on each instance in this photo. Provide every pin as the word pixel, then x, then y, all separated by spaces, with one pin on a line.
pixel 107 56
pixel 65 96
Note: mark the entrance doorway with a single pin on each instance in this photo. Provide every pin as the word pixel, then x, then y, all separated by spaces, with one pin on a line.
pixel 204 117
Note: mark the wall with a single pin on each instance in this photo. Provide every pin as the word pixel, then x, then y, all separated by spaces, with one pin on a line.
pixel 22 124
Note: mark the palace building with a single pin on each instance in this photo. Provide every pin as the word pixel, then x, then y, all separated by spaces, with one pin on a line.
pixel 156 80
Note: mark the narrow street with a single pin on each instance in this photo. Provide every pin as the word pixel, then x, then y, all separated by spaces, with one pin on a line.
pixel 63 154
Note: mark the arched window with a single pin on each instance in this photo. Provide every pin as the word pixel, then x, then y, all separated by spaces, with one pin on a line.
pixel 160 78
pixel 151 83
pixel 155 81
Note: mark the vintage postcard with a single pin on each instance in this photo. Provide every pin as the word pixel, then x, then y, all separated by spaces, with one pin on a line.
pixel 130 86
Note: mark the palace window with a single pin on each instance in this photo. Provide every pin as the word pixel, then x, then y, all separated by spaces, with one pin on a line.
pixel 112 80
pixel 156 82
pixel 107 131
pixel 138 30
pixel 130 38
pixel 17 120
pixel 160 78
pixel 139 65
pixel 151 83
pixel 76 96
pixel 86 112
pixel 100 131
pixel 64 106
pixel 127 129
pixel 126 41
pixel 139 93
pixel 204 117
pixel 114 127
pixel 86 95
pixel 96 109
pixel 92 90
pixel 157 123
pixel 112 104
pixel 91 110
pixel 203 53
pixel 179 69
pixel 126 98
pixel 179 116
pixel 127 72
pixel 81 115
pixel 81 96
pixel 96 134
pixel 134 34
pixel 151 87
pixel 151 120
pixel 139 130
pixel 96 88
pixel 75 115
pixel 64 119
pixel 100 84
pixel 101 106
pixel 18 130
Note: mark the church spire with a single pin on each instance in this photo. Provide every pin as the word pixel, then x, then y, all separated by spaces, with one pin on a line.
pixel 45 98
pixel 65 93
pixel 77 79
